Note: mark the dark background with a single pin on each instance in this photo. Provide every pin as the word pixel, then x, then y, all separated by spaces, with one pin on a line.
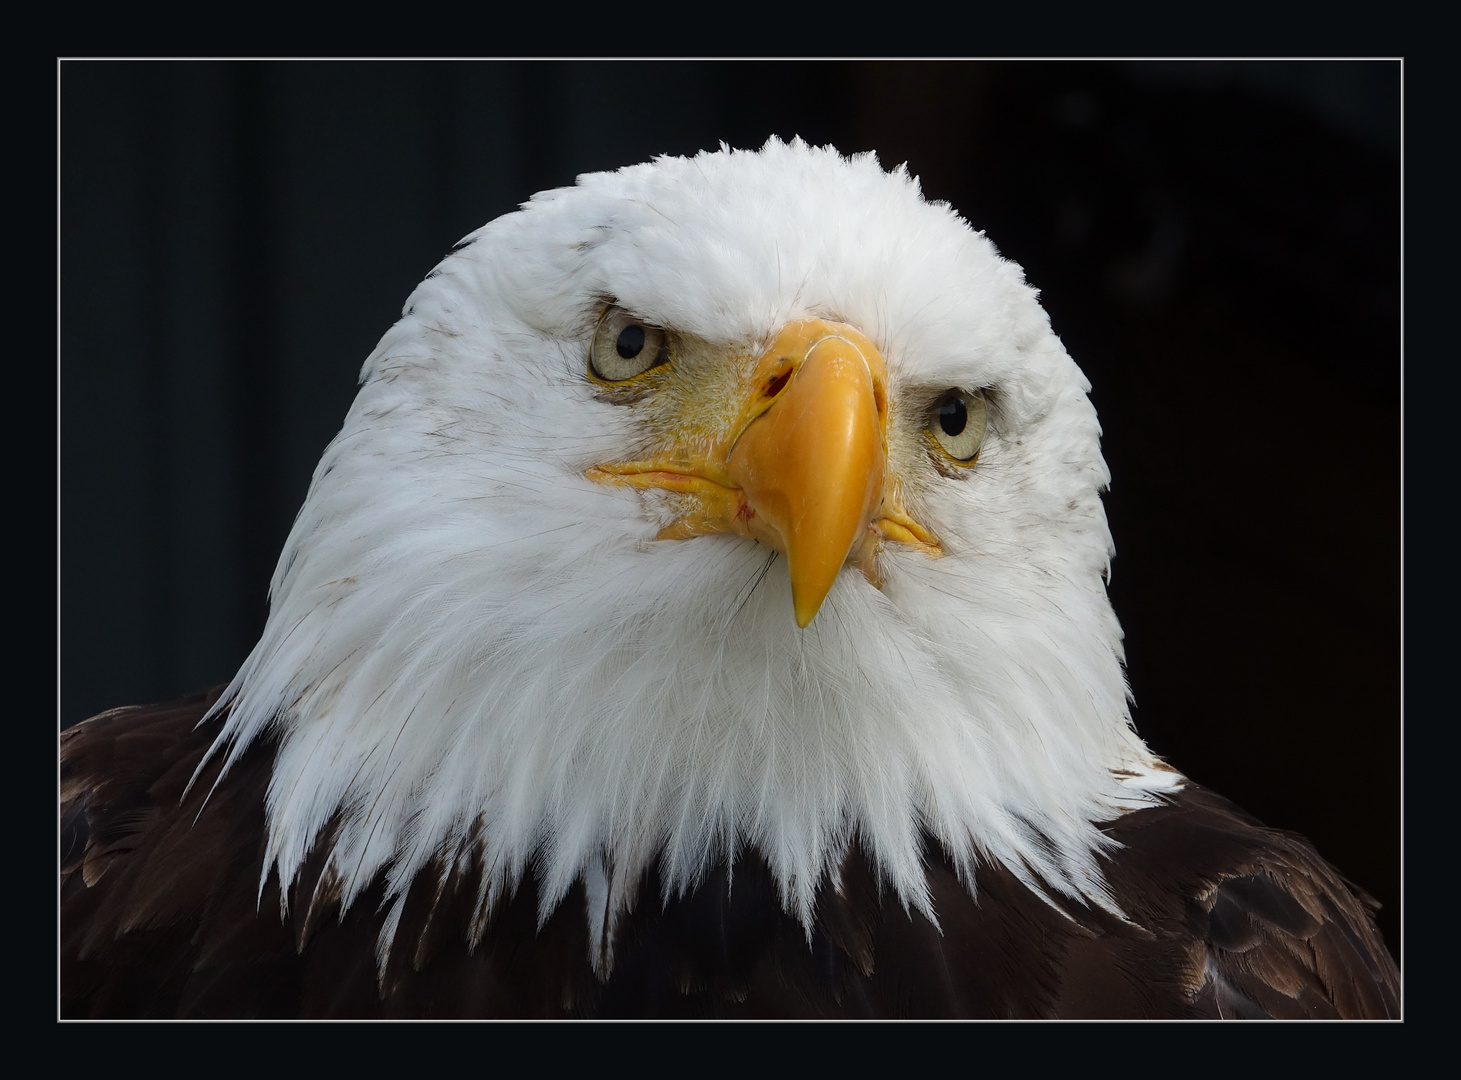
pixel 1217 243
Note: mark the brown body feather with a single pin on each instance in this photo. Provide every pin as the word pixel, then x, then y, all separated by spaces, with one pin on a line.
pixel 162 916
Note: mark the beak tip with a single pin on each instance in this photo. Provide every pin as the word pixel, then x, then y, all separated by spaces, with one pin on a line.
pixel 806 603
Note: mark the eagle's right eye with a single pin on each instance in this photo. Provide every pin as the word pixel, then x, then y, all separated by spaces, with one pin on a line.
pixel 625 346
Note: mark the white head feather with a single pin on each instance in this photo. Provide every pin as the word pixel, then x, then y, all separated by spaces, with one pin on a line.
pixel 474 649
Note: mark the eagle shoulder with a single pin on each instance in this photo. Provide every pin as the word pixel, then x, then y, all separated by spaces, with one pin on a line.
pixel 163 913
pixel 154 864
pixel 1270 928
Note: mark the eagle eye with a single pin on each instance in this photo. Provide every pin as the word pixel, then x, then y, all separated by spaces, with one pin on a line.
pixel 625 346
pixel 957 423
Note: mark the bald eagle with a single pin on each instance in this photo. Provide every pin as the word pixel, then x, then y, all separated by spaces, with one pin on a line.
pixel 701 612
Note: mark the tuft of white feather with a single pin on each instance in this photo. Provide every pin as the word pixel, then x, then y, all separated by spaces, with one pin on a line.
pixel 474 650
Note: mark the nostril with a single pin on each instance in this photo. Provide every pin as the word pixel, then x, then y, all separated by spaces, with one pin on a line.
pixel 776 385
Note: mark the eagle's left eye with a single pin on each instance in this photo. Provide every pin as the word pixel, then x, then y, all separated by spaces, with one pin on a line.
pixel 625 346
pixel 957 423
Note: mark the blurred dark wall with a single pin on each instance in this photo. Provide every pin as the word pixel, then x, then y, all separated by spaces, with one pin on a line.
pixel 1217 244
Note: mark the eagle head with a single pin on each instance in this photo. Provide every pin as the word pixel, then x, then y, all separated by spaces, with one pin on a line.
pixel 744 501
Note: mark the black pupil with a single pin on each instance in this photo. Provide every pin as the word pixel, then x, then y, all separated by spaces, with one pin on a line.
pixel 952 416
pixel 631 341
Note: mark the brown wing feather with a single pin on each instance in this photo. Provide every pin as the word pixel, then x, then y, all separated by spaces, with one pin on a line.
pixel 162 915
pixel 158 891
pixel 1274 929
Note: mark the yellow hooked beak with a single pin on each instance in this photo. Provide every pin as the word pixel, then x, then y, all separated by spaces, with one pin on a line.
pixel 801 469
